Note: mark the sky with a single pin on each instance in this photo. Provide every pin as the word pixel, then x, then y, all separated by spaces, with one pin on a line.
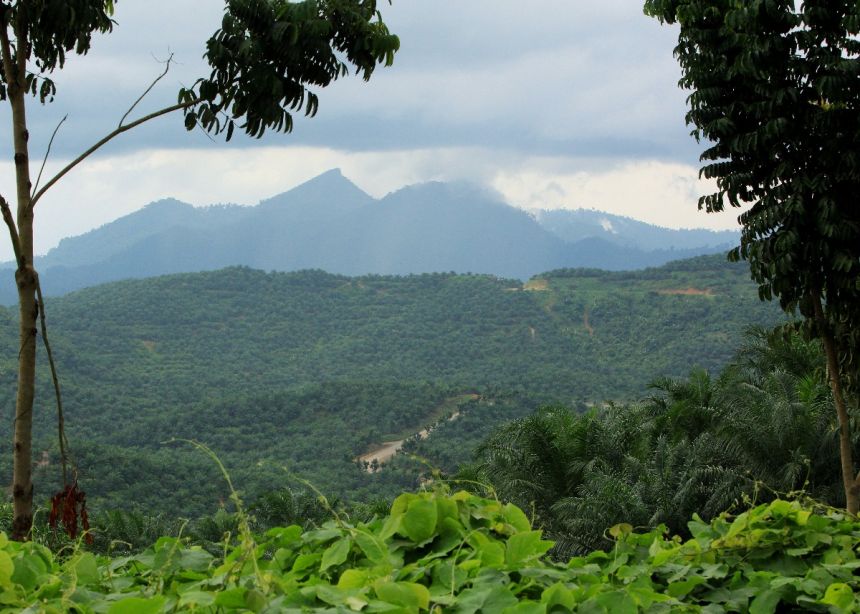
pixel 552 103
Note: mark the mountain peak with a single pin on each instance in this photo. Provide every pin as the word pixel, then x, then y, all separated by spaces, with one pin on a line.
pixel 330 185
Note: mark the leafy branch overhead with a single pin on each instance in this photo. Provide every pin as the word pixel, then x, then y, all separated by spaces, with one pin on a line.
pixel 50 29
pixel 775 94
pixel 268 54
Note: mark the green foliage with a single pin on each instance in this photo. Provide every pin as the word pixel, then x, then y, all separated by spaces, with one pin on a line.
pixel 699 445
pixel 268 53
pixel 264 367
pixel 52 28
pixel 461 553
pixel 776 94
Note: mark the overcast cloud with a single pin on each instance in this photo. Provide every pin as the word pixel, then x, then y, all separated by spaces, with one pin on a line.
pixel 553 103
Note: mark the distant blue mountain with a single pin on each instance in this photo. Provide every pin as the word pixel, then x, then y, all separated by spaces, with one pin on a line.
pixel 579 224
pixel 329 223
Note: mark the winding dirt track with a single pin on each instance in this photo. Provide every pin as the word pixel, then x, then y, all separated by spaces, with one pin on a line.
pixel 383 453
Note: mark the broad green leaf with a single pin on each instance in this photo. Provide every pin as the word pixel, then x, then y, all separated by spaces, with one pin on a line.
pixel 780 508
pixel 305 561
pixel 662 556
pixel 195 559
pixel 445 508
pixel 617 602
pixel 406 594
pixel 766 602
pixel 515 517
pixel 558 594
pixel 336 553
pixel 683 587
pixel 524 547
pixel 840 595
pixel 285 535
pixel 353 578
pixel 6 568
pixel 86 569
pixel 373 547
pixel 196 598
pixel 138 605
pixel 486 600
pixel 322 535
pixel 233 598
pixel 490 552
pixel 255 600
pixel 419 521
pixel 401 504
pixel 332 595
pixel 29 571
pixel 646 596
pixel 283 557
pixel 740 523
pixel 526 607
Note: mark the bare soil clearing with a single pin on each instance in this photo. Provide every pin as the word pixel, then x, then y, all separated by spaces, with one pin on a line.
pixel 388 449
pixel 688 292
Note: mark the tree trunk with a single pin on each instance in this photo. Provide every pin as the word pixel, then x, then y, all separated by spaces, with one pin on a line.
pixel 850 482
pixel 25 277
pixel 22 479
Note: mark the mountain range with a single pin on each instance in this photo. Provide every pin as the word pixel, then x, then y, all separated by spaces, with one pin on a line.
pixel 328 223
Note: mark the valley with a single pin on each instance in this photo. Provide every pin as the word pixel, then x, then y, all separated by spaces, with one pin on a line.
pixel 298 374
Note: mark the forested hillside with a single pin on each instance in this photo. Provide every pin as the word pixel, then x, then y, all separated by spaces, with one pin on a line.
pixel 308 370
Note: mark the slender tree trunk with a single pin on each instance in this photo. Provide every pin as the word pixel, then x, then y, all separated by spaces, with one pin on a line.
pixel 14 67
pixel 850 482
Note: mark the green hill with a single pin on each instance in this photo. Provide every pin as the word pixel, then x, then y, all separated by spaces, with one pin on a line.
pixel 308 370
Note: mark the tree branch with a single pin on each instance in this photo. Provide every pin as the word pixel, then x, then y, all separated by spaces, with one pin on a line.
pixel 21 39
pixel 115 133
pixel 61 422
pixel 8 67
pixel 13 231
pixel 149 89
pixel 45 159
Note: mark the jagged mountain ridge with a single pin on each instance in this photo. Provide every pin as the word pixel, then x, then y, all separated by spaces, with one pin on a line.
pixel 328 223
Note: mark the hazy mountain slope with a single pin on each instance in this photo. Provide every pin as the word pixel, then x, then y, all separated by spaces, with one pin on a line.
pixel 575 225
pixel 439 227
pixel 103 243
pixel 328 223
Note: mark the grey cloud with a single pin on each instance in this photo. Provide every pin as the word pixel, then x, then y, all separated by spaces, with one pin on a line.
pixel 542 77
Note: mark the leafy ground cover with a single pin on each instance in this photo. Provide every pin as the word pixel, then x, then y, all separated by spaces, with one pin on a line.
pixel 459 552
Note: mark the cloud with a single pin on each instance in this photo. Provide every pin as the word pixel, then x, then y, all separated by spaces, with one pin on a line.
pixel 551 102
pixel 661 193
pixel 548 77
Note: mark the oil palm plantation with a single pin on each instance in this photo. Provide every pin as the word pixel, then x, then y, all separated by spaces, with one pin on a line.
pixel 697 445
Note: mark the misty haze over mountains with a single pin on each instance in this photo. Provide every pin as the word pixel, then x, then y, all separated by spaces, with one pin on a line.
pixel 328 223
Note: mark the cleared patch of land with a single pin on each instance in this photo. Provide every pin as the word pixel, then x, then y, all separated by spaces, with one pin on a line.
pixel 382 454
pixel 687 291
pixel 536 285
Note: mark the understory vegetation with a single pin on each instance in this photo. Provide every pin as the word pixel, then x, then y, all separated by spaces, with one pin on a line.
pixel 713 494
pixel 462 553
pixel 764 427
